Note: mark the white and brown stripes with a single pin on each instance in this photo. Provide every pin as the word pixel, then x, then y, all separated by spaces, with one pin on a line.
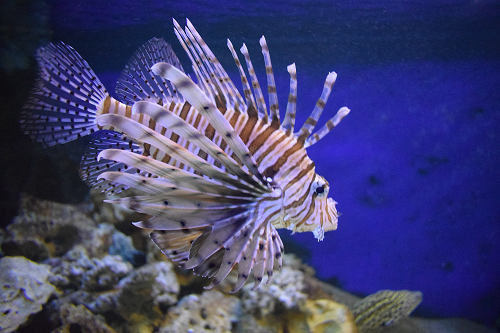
pixel 202 103
pixel 311 122
pixel 330 124
pixel 250 100
pixel 259 97
pixel 227 86
pixel 218 138
pixel 271 85
pixel 288 124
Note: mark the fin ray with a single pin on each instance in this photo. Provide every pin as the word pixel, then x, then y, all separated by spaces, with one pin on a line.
pixel 144 134
pixel 69 88
pixel 176 124
pixel 199 100
pixel 181 178
pixel 137 82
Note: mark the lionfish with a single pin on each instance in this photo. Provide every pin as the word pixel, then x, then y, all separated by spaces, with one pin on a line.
pixel 217 173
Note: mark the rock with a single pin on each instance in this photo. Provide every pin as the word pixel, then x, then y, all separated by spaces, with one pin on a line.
pixel 23 290
pixel 100 291
pixel 80 319
pixel 122 245
pixel 248 324
pixel 100 240
pixel 150 288
pixel 142 298
pixel 285 291
pixel 75 270
pixel 211 311
pixel 316 289
pixel 45 229
pixel 106 273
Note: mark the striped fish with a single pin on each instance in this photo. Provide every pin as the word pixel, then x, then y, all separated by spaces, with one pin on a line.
pixel 384 308
pixel 217 171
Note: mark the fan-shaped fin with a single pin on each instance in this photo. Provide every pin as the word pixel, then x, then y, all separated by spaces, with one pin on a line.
pixel 144 134
pixel 209 267
pixel 204 78
pixel 220 234
pixel 278 246
pixel 176 244
pixel 242 239
pixel 63 104
pixel 161 223
pixel 137 82
pixel 176 124
pixel 274 251
pixel 221 94
pixel 179 177
pixel 246 263
pixel 234 250
pixel 61 63
pixel 91 167
pixel 261 256
pixel 148 185
pixel 180 208
pixel 220 76
pixel 195 97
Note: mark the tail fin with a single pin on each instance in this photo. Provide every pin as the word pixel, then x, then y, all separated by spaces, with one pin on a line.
pixel 63 104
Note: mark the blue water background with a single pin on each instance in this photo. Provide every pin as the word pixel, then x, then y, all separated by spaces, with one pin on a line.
pixel 414 166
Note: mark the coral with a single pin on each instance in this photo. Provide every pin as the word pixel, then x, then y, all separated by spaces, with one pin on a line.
pixel 24 289
pixel 211 311
pixel 384 308
pixel 327 316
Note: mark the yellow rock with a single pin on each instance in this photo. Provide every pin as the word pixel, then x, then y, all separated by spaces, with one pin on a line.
pixel 326 316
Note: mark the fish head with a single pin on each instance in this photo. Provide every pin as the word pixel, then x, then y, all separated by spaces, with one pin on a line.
pixel 317 213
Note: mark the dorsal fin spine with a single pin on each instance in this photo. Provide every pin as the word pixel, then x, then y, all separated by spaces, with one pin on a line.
pixel 271 84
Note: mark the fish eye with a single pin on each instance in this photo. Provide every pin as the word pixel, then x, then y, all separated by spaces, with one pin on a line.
pixel 320 189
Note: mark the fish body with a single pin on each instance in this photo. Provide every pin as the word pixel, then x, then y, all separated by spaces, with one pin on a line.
pixel 384 308
pixel 219 172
